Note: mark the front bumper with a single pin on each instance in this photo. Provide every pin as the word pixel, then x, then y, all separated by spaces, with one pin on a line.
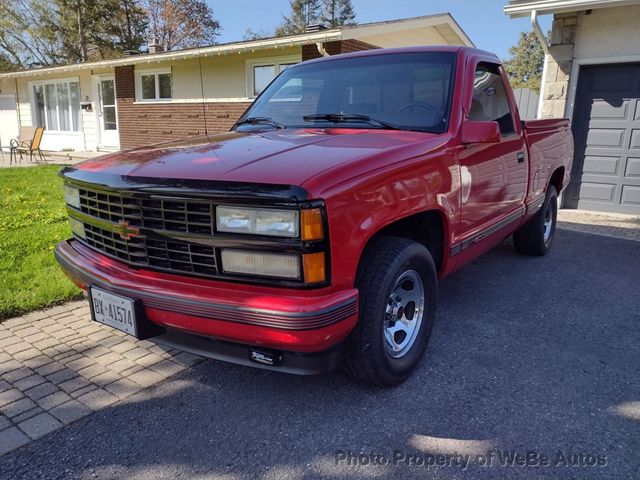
pixel 300 321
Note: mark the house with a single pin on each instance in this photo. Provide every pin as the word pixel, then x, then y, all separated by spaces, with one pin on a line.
pixel 160 96
pixel 592 76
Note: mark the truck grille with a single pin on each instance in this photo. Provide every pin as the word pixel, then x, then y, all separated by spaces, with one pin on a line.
pixel 162 214
pixel 184 216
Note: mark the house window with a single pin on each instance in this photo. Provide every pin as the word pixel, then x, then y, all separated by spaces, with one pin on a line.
pixel 154 85
pixel 261 73
pixel 262 76
pixel 56 105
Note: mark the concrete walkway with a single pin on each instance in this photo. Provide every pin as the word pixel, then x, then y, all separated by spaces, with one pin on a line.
pixel 57 366
pixel 53 158
pixel 599 223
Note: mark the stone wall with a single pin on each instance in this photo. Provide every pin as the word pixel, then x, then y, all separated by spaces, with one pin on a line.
pixel 559 62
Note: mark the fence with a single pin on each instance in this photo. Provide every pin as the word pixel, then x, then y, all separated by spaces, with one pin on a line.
pixel 527 101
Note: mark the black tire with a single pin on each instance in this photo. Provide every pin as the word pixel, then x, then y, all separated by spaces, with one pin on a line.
pixel 530 239
pixel 383 264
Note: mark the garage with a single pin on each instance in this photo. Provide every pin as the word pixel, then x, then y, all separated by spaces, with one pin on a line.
pixel 606 127
pixel 591 75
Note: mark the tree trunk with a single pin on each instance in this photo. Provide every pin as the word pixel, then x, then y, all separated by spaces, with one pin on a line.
pixel 83 40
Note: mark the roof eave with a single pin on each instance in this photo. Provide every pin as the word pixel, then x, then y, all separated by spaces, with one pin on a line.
pixel 238 47
pixel 363 30
pixel 545 7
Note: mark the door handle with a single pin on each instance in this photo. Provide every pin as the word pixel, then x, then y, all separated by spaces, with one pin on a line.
pixel 520 157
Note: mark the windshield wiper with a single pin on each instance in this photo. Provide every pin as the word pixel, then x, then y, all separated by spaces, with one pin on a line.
pixel 349 117
pixel 260 121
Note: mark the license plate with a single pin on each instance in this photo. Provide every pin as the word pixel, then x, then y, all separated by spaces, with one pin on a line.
pixel 114 310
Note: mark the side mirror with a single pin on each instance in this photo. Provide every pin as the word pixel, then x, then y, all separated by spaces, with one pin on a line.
pixel 480 132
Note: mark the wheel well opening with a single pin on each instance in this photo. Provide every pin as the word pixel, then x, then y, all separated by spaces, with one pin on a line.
pixel 557 179
pixel 426 228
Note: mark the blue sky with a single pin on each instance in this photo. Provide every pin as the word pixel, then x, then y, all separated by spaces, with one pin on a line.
pixel 483 20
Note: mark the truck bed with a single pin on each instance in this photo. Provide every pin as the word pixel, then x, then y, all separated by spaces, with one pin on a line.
pixel 550 144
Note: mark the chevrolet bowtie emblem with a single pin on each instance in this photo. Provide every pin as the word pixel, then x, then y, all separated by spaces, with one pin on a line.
pixel 123 229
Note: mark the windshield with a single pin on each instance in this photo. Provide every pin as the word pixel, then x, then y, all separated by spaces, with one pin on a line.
pixel 408 91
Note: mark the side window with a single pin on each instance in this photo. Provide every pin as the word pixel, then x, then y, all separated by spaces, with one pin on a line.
pixel 490 101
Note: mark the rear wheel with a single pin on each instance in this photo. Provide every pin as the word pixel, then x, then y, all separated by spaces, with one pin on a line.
pixel 397 285
pixel 536 236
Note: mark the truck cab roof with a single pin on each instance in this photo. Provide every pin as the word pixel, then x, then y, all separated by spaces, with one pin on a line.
pixel 466 51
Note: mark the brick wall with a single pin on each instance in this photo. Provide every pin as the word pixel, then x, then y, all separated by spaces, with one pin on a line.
pixel 335 48
pixel 559 61
pixel 149 123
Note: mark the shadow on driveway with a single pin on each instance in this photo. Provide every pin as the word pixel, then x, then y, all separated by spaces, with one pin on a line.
pixel 528 355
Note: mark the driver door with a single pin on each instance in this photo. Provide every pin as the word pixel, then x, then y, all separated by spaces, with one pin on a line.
pixel 493 175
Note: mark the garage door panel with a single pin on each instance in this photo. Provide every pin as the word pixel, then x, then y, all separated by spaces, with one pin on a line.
pixel 603 137
pixel 603 109
pixel 633 168
pixel 597 191
pixel 606 127
pixel 601 165
pixel 630 195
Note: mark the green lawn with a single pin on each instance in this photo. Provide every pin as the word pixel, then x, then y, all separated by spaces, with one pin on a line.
pixel 32 221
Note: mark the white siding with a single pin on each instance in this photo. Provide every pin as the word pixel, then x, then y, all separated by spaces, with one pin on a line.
pixel 223 77
pixel 86 138
pixel 8 122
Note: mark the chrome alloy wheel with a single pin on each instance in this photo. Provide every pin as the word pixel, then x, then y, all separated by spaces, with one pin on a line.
pixel 548 222
pixel 404 313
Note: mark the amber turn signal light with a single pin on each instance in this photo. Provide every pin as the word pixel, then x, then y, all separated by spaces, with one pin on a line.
pixel 312 224
pixel 314 267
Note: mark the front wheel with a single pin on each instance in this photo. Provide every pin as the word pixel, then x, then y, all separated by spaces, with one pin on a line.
pixel 397 284
pixel 535 236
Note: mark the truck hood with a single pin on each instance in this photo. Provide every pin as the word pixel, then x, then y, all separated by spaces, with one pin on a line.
pixel 283 157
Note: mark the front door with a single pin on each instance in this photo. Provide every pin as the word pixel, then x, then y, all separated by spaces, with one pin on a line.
pixel 107 114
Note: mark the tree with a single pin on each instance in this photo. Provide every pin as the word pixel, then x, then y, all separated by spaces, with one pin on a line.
pixel 24 41
pixel 303 14
pixel 130 31
pixel 181 23
pixel 51 32
pixel 6 65
pixel 526 62
pixel 336 13
pixel 250 34
pixel 97 29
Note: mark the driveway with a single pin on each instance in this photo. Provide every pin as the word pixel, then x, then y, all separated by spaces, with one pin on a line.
pixel 530 356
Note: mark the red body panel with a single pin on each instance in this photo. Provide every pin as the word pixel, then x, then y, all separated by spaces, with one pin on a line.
pixel 164 297
pixel 368 179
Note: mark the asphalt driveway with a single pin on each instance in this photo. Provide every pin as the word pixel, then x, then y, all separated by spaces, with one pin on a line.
pixel 530 356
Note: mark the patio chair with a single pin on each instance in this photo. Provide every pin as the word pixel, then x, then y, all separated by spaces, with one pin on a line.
pixel 28 142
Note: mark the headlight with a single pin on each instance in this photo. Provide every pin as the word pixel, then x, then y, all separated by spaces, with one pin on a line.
pixel 72 196
pixel 259 221
pixel 266 264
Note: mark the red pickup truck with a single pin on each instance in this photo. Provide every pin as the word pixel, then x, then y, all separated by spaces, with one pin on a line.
pixel 313 234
